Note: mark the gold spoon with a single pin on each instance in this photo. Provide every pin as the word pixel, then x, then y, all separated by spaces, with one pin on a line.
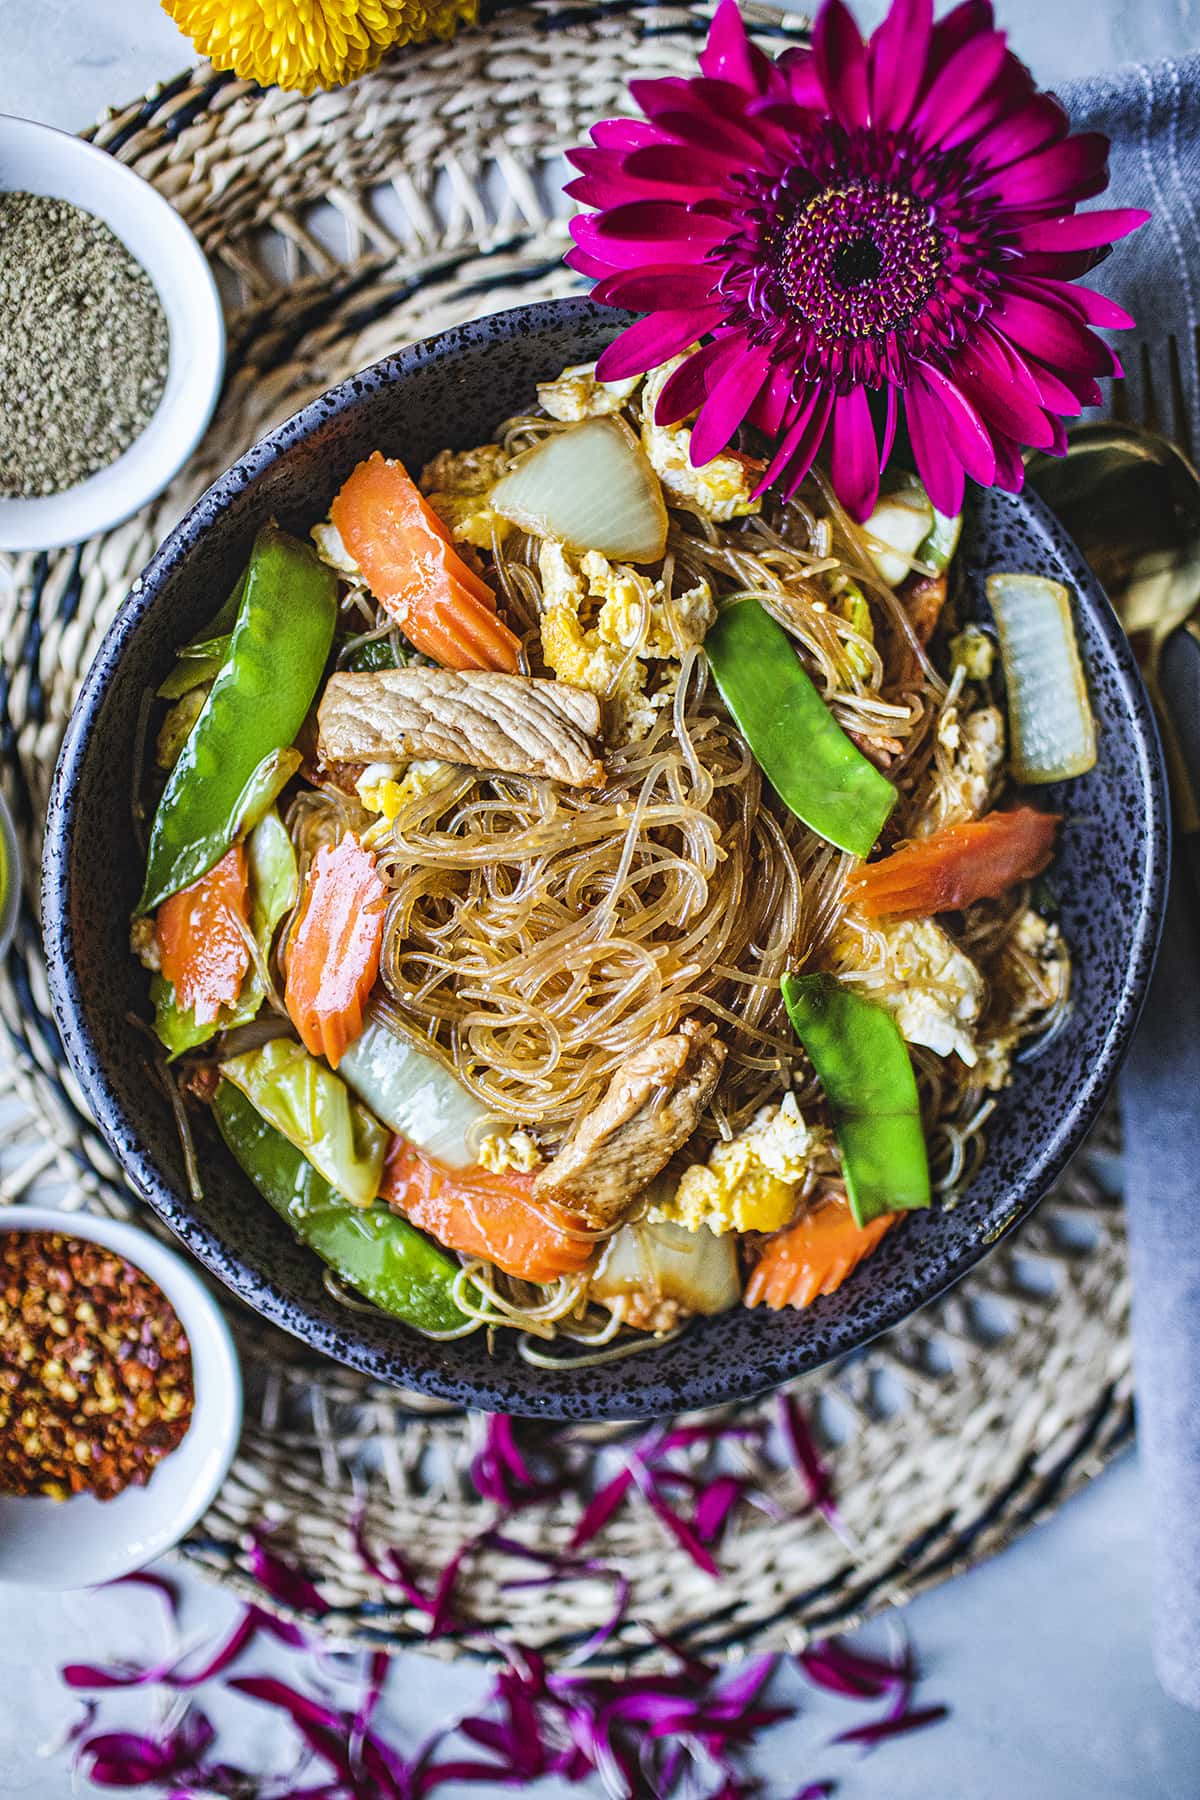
pixel 1131 501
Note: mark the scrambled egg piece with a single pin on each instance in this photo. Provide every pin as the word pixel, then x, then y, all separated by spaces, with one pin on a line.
pixel 932 989
pixel 753 1182
pixel 332 550
pixel 721 489
pixel 386 788
pixel 576 394
pixel 456 484
pixel 500 1151
pixel 1032 977
pixel 965 774
pixel 595 613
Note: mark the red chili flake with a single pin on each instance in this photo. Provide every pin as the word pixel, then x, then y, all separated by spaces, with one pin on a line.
pixel 95 1370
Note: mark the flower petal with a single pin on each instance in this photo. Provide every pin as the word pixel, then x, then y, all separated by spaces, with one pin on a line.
pixel 730 56
pixel 1041 121
pixel 1002 406
pixel 1080 231
pixel 657 287
pixel 682 166
pixel 1096 308
pixel 801 441
pixel 964 81
pixel 664 221
pixel 1059 175
pixel 773 403
pixel 622 134
pixel 841 58
pixel 1010 465
pixel 968 20
pixel 799 68
pixel 647 343
pixel 937 465
pixel 890 418
pixel 584 262
pixel 685 388
pixel 1052 334
pixel 855 454
pixel 896 60
pixel 969 437
pixel 735 378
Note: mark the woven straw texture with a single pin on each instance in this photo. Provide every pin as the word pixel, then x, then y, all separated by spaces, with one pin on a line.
pixel 343 227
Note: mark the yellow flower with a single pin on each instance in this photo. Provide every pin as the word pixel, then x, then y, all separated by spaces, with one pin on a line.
pixel 305 44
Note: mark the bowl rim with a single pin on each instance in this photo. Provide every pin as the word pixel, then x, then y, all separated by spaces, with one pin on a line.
pixel 141 472
pixel 556 1400
pixel 217 1413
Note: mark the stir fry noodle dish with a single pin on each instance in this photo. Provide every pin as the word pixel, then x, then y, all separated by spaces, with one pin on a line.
pixel 588 892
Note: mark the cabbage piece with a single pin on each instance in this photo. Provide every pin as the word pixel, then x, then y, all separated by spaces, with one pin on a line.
pixel 414 1094
pixel 308 1103
pixel 697 1268
pixel 1051 728
pixel 896 530
pixel 592 487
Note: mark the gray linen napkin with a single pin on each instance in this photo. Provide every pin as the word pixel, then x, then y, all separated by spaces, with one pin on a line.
pixel 1152 115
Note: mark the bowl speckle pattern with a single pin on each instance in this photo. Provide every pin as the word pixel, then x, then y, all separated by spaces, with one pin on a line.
pixel 1109 879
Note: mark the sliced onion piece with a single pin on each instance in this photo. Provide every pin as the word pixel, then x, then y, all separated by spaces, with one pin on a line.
pixel 696 1268
pixel 414 1094
pixel 1051 727
pixel 590 486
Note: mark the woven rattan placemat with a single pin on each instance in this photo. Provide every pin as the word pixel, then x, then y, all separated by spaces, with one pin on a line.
pixel 342 227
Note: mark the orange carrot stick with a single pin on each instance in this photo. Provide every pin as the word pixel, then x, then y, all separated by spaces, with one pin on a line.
pixel 483 1214
pixel 333 952
pixel 411 566
pixel 953 867
pixel 201 951
pixel 813 1257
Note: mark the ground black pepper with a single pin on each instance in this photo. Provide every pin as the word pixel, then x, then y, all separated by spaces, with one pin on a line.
pixel 95 1370
pixel 84 345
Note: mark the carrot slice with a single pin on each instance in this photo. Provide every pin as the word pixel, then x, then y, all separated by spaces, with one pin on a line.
pixel 201 951
pixel 976 860
pixel 484 1214
pixel 813 1257
pixel 333 953
pixel 411 566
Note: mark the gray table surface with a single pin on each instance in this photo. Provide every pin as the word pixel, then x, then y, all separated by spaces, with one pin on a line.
pixel 1043 1653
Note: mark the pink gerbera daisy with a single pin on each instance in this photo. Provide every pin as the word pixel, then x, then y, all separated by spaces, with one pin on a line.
pixel 852 229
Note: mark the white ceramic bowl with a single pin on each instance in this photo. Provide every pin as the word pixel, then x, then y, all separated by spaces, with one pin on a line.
pixel 82 1541
pixel 38 160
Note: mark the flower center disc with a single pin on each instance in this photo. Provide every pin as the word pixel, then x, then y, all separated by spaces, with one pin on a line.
pixel 860 261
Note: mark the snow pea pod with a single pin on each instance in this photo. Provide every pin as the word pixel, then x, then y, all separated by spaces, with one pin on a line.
pixel 799 745
pixel 373 1250
pixel 236 757
pixel 863 1065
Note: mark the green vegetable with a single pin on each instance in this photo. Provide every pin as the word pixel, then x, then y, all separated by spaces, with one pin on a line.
pixel 802 749
pixel 177 724
pixel 307 1102
pixel 862 1063
pixel 938 548
pixel 376 653
pixel 375 1251
pixel 274 885
pixel 851 605
pixel 228 772
pixel 202 658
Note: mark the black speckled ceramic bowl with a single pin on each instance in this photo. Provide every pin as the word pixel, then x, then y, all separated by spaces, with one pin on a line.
pixel 454 389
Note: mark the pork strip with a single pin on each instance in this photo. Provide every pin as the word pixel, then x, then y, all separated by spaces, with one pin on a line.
pixel 652 1106
pixel 516 724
